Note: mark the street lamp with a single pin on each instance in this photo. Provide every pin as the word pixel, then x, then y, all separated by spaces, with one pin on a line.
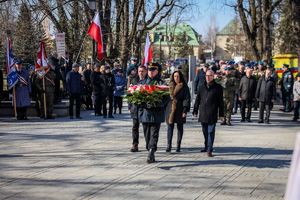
pixel 92 6
pixel 160 38
pixel 140 27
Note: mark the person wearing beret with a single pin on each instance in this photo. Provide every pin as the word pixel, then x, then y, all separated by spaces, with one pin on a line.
pixel 152 117
pixel 23 89
pixel 74 88
pixel 296 92
pixel 286 84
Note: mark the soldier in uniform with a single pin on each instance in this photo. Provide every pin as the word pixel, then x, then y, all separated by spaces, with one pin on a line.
pixel 23 89
pixel 142 74
pixel 48 90
pixel 88 85
pixel 286 84
pixel 230 84
pixel 152 118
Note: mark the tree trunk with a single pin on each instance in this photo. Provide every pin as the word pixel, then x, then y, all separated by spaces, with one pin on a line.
pixel 267 48
pixel 125 30
pixel 107 27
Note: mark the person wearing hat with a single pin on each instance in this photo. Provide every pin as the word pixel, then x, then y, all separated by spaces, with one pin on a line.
pixel 152 118
pixel 74 88
pixel 296 92
pixel 286 84
pixel 133 65
pixel 230 84
pixel 119 90
pixel 98 86
pixel 247 90
pixel 23 89
pixel 48 91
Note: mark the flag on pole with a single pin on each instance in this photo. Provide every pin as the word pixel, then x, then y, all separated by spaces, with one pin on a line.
pixel 41 64
pixel 95 32
pixel 12 77
pixel 148 53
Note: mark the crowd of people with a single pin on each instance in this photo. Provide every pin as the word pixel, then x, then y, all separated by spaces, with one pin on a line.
pixel 220 89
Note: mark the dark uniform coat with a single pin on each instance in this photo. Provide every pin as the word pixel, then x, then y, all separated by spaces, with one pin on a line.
pixel 157 114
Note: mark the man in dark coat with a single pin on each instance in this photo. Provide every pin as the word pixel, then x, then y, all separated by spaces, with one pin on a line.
pixel 247 90
pixel 88 86
pixel 49 91
pixel 97 84
pixel 142 74
pixel 209 103
pixel 265 95
pixel 109 80
pixel 286 84
pixel 200 78
pixel 152 118
pixel 23 89
pixel 74 87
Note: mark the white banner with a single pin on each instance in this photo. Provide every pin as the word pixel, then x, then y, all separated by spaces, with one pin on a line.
pixel 60 45
pixel 293 186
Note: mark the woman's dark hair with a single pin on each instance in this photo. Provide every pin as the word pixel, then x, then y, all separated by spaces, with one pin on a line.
pixel 182 80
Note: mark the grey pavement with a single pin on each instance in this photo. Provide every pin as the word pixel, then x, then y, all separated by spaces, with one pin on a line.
pixel 90 159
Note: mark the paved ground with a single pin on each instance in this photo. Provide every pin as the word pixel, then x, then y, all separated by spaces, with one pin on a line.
pixel 90 159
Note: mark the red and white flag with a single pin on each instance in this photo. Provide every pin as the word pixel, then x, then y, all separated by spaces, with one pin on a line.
pixel 148 53
pixel 41 64
pixel 96 33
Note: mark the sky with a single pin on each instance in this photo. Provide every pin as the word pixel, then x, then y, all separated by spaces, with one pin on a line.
pixel 207 8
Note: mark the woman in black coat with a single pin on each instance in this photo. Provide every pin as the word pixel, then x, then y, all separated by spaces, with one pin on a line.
pixel 179 106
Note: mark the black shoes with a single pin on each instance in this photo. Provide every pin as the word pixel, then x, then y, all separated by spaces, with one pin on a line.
pixel 178 149
pixel 260 121
pixel 151 157
pixel 203 150
pixel 78 117
pixel 168 149
pixel 110 116
pixel 134 148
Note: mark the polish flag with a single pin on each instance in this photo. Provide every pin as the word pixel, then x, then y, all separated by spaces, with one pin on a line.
pixel 148 53
pixel 41 64
pixel 96 33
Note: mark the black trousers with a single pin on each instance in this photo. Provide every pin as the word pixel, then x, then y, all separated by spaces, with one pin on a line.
pixel 118 103
pixel 98 104
pixel 244 104
pixel 77 98
pixel 88 100
pixel 262 107
pixel 151 132
pixel 296 109
pixel 287 100
pixel 236 102
pixel 179 134
pixel 135 131
pixel 110 99
pixel 21 113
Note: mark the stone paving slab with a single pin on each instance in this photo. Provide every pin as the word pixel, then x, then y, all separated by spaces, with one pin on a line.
pixel 90 159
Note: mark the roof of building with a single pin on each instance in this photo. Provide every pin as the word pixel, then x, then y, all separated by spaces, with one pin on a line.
pixel 180 28
pixel 232 28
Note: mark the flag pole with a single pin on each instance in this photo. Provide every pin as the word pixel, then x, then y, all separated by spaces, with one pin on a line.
pixel 15 103
pixel 45 105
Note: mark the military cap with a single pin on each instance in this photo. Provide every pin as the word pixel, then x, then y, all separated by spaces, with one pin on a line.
pixel 75 65
pixel 285 66
pixel 153 65
pixel 19 62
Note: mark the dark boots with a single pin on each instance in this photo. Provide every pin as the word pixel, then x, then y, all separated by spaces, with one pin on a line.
pixel 134 148
pixel 151 157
